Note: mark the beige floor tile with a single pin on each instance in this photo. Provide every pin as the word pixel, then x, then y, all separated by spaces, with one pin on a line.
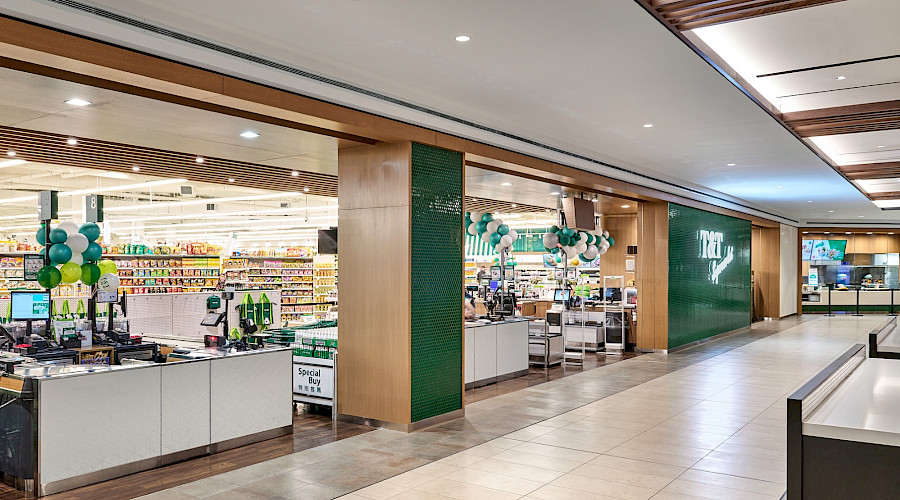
pixel 380 491
pixel 531 432
pixel 461 460
pixel 464 491
pixel 652 456
pixel 622 476
pixel 410 479
pixel 437 469
pixel 551 492
pixel 747 471
pixel 503 442
pixel 733 482
pixel 483 451
pixel 707 491
pixel 555 452
pixel 495 481
pixel 535 460
pixel 418 495
pixel 628 464
pixel 520 471
pixel 601 487
pixel 753 451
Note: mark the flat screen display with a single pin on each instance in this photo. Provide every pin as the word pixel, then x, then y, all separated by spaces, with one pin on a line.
pixel 806 248
pixel 107 297
pixel 561 295
pixel 494 285
pixel 30 305
pixel 549 260
pixel 328 241
pixel 828 250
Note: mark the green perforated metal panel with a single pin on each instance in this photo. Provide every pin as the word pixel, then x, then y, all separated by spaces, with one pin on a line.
pixel 705 298
pixel 437 269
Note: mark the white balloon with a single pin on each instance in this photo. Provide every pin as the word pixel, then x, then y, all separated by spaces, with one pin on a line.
pixel 77 242
pixel 473 229
pixel 604 243
pixel 581 246
pixel 506 241
pixel 476 216
pixel 77 258
pixel 591 252
pixel 486 236
pixel 108 282
pixel 513 234
pixel 551 240
pixel 492 226
pixel 498 247
pixel 605 233
pixel 69 227
pixel 602 250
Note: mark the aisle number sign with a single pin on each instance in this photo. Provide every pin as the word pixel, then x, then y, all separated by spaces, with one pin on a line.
pixel 713 249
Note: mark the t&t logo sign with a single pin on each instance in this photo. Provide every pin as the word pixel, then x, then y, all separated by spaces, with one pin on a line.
pixel 712 248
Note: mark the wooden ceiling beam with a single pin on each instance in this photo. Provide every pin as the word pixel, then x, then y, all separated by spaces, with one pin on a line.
pixel 885 170
pixel 887 195
pixel 686 15
pixel 868 117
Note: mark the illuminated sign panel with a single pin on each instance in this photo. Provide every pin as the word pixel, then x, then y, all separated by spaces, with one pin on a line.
pixel 711 248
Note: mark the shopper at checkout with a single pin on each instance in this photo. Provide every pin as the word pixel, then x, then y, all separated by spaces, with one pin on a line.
pixel 469 308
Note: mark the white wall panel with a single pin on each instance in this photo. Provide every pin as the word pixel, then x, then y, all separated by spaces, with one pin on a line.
pixel 789 285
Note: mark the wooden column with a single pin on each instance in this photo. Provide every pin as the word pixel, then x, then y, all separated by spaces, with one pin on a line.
pixel 653 276
pixel 400 323
pixel 765 260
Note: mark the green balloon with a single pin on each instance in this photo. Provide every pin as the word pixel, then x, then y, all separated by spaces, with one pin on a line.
pixel 554 229
pixel 495 238
pixel 107 267
pixel 93 252
pixel 487 217
pixel 70 272
pixel 577 236
pixel 569 232
pixel 481 227
pixel 59 253
pixel 558 259
pixel 554 250
pixel 90 273
pixel 611 240
pixel 43 251
pixel 90 230
pixel 58 235
pixel 49 277
pixel 503 229
pixel 40 236
pixel 564 240
pixel 590 239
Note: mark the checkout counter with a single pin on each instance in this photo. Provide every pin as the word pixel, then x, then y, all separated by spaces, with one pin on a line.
pixel 72 425
pixel 495 350
pixel 870 299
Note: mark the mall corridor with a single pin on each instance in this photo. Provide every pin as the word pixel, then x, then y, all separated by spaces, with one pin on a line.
pixel 706 422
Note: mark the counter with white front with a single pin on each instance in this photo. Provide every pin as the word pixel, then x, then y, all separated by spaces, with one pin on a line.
pixel 94 423
pixel 870 300
pixel 495 351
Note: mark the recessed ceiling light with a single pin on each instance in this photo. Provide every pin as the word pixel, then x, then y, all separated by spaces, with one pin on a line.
pixel 848 232
pixel 463 38
pixel 514 205
pixel 648 125
pixel 231 179
pixel 594 199
pixel 136 168
pixel 890 233
pixel 805 232
pixel 295 173
pixel 826 232
pixel 626 206
pixel 10 152
pixel 860 216
pixel 869 233
pixel 809 201
pixel 78 102
pixel 880 146
pixel 200 159
pixel 71 141
pixel 506 183
pixel 306 190
pixel 842 77
pixel 249 134
pixel 554 193
pixel 730 164
pixel 474 199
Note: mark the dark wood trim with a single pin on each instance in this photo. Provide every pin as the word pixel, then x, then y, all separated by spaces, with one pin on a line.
pixel 884 170
pixel 868 117
pixel 689 14
pixel 886 195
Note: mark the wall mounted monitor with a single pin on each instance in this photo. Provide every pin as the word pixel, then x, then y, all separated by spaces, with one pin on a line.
pixel 561 295
pixel 328 241
pixel 30 305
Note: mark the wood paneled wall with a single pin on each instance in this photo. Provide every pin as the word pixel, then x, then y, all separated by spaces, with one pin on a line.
pixel 765 261
pixel 623 229
pixel 653 276
pixel 374 360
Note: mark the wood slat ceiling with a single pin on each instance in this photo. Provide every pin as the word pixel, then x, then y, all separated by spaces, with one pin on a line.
pixel 886 170
pixel 868 117
pixel 685 15
pixel 45 147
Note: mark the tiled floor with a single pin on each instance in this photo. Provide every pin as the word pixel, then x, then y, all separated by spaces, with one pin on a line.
pixel 707 422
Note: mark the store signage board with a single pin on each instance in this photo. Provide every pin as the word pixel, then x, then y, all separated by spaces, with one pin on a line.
pixel 713 249
pixel 93 208
pixel 48 204
pixel 32 264
pixel 813 276
pixel 313 380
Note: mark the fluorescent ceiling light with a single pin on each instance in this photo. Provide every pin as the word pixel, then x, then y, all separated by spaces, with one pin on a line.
pixel 626 206
pixel 506 183
pixel 554 193
pixel 249 134
pixel 78 102
pixel 648 125
pixel 236 224
pixel 729 164
pixel 11 163
pixel 100 190
pixel 221 215
pixel 463 38
pixel 201 202
pixel 842 77
pixel 10 152
pixel 26 226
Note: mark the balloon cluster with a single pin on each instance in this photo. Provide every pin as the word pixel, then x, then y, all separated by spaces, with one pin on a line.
pixel 587 245
pixel 77 254
pixel 491 230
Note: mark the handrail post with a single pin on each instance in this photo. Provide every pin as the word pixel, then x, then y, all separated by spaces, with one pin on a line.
pixel 857 302
pixel 829 301
pixel 892 302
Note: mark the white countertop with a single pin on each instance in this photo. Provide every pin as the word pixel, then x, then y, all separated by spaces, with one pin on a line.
pixel 891 343
pixel 865 407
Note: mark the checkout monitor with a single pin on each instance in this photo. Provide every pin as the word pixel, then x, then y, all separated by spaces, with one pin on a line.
pixel 30 305
pixel 561 295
